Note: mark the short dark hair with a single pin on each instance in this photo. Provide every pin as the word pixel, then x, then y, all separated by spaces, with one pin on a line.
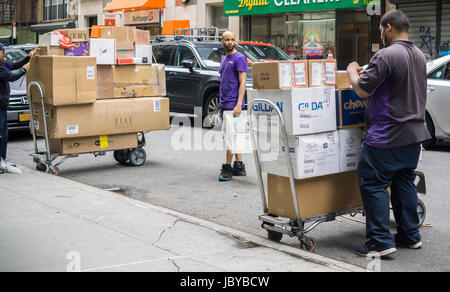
pixel 397 19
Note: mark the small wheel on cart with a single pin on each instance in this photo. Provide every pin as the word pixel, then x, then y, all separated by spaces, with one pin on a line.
pixel 421 211
pixel 54 170
pixel 41 167
pixel 122 156
pixel 307 243
pixel 137 156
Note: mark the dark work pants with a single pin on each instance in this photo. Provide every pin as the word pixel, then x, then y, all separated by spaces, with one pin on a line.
pixel 3 133
pixel 377 170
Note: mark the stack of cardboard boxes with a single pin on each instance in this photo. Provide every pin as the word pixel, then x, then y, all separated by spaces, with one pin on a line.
pixel 323 123
pixel 91 107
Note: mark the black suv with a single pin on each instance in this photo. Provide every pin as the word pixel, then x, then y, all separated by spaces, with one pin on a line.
pixel 192 75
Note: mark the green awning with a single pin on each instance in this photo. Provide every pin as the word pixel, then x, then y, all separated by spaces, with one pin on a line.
pixel 47 27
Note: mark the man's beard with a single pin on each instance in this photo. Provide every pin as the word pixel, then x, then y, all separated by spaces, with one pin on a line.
pixel 228 49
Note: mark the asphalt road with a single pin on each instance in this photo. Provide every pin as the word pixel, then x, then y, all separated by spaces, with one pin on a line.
pixel 187 181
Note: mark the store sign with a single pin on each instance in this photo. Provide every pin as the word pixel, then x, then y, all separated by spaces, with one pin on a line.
pixel 142 17
pixel 250 7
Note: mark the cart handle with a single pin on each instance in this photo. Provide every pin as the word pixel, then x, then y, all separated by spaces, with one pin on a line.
pixel 288 158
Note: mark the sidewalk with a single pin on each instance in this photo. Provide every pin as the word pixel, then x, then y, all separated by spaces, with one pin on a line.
pixel 49 223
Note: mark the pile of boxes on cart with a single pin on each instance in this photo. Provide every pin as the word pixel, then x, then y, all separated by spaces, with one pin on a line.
pixel 324 119
pixel 100 91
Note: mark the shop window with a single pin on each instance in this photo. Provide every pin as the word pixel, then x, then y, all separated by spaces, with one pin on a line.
pixel 216 17
pixel 55 9
pixel 260 28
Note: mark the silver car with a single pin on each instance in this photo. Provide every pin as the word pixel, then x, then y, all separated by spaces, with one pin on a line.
pixel 438 100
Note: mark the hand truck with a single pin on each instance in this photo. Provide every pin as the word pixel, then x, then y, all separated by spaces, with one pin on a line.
pixel 277 226
pixel 48 162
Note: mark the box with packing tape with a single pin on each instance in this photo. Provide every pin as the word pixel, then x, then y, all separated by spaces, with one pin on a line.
pixel 350 141
pixel 64 80
pixel 316 196
pixel 93 144
pixel 272 75
pixel 112 116
pixel 322 73
pixel 305 110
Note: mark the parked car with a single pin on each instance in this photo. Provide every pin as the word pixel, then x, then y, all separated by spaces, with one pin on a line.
pixel 192 75
pixel 438 100
pixel 24 47
pixel 18 109
pixel 265 52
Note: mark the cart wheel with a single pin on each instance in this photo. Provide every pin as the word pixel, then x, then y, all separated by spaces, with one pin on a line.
pixel 137 156
pixel 273 235
pixel 308 243
pixel 54 170
pixel 41 167
pixel 121 156
pixel 421 211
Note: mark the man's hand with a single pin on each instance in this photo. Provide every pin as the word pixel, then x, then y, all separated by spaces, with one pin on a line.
pixel 26 67
pixel 34 52
pixel 354 67
pixel 237 110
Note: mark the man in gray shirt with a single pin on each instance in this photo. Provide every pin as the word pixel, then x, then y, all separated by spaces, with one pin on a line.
pixel 395 84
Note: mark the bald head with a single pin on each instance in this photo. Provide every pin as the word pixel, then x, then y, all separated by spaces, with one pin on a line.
pixel 229 41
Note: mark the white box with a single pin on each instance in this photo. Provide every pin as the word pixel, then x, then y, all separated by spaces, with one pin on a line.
pixel 235 132
pixel 350 148
pixel 311 156
pixel 49 39
pixel 104 50
pixel 144 51
pixel 305 110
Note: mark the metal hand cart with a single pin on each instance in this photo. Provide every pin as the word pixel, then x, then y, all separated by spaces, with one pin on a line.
pixel 277 226
pixel 48 162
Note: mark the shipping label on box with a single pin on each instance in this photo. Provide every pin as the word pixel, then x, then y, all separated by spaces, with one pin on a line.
pixel 316 73
pixel 300 73
pixel 311 156
pixel 104 50
pixel 78 49
pixel 305 110
pixel 350 148
pixel 330 72
pixel 272 75
pixel 64 80
pixel 350 108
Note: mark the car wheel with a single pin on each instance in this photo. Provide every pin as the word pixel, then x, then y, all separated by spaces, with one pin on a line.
pixel 211 111
pixel 430 127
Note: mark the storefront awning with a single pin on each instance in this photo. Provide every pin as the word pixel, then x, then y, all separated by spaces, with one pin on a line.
pixel 134 5
pixel 47 27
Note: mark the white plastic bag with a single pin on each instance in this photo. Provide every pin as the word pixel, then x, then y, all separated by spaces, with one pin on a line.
pixel 8 167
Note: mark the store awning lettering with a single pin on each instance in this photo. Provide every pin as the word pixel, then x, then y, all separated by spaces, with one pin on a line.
pixel 250 7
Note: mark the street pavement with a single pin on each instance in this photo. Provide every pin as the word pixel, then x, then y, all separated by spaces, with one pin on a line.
pixel 48 223
pixel 186 180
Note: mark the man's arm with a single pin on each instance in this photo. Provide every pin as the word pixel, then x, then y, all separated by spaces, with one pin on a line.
pixel 353 70
pixel 242 87
pixel 6 74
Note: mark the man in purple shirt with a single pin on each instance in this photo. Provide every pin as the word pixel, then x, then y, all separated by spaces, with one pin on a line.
pixel 395 84
pixel 233 74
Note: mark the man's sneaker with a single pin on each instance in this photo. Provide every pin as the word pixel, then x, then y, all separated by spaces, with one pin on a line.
pixel 239 169
pixel 400 243
pixel 226 173
pixel 370 249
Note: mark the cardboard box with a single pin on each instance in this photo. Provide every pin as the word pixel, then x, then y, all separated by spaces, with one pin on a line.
pixel 316 74
pixel 49 39
pixel 350 109
pixel 311 155
pixel 236 133
pixel 120 54
pixel 138 91
pixel 316 196
pixel 64 80
pixel 112 116
pixel 144 52
pixel 300 71
pixel 134 61
pixel 121 34
pixel 342 80
pixel 350 148
pixel 104 50
pixel 272 75
pixel 78 49
pixel 330 69
pixel 142 37
pixel 93 144
pixel 77 34
pixel 305 110
pixel 51 51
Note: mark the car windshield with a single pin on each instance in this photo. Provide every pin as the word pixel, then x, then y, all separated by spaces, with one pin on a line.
pixel 266 52
pixel 14 56
pixel 212 54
